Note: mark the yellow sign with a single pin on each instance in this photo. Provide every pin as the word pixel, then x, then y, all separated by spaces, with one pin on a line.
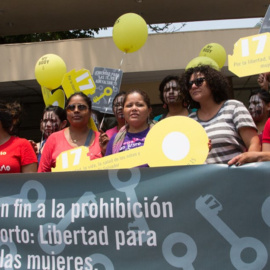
pixel 173 141
pixel 55 99
pixel 78 81
pixel 251 55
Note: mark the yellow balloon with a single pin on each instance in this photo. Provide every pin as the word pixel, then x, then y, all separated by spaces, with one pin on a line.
pixel 130 32
pixel 216 52
pixel 49 71
pixel 202 60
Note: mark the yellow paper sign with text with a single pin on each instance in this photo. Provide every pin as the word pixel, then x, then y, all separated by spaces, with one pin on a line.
pixel 57 98
pixel 173 141
pixel 78 81
pixel 251 55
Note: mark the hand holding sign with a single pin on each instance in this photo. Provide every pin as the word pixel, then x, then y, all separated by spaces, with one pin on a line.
pixel 166 144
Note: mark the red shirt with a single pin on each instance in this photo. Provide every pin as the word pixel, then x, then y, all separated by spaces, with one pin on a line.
pixel 14 154
pixel 266 132
pixel 56 144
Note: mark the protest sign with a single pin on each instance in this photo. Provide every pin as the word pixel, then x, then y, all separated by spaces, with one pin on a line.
pixel 108 82
pixel 251 55
pixel 176 140
pixel 184 217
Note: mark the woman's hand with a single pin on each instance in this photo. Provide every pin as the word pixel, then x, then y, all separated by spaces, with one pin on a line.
pixel 34 145
pixel 209 145
pixel 263 82
pixel 249 157
pixel 103 141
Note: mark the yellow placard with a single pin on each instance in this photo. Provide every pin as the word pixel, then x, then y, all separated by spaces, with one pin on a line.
pixel 55 99
pixel 92 124
pixel 78 81
pixel 173 141
pixel 251 55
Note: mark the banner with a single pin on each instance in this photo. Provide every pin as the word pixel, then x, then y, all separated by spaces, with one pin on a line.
pixel 181 217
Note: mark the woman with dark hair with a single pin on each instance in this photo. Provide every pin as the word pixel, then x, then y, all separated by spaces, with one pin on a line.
pixel 16 154
pixel 227 123
pixel 137 109
pixel 117 106
pixel 54 118
pixel 259 108
pixel 172 98
pixel 78 111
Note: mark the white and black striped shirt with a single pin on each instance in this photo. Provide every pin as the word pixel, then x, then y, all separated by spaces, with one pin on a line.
pixel 223 130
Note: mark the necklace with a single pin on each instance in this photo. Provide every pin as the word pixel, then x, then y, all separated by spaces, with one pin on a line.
pixel 87 139
pixel 73 140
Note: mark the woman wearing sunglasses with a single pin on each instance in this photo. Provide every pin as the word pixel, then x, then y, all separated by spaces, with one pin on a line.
pixel 78 110
pixel 228 123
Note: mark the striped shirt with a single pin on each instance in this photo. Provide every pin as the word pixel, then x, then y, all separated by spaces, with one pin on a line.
pixel 223 130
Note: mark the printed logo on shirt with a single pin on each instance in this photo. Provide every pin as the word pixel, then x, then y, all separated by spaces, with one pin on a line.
pixel 134 143
pixel 3 153
pixel 4 168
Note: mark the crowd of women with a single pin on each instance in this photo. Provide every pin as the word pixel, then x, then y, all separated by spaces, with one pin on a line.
pixel 237 135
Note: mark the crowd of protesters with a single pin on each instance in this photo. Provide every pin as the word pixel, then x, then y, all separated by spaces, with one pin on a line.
pixel 237 134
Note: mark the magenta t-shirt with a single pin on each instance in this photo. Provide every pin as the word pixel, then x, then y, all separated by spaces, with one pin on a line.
pixel 111 132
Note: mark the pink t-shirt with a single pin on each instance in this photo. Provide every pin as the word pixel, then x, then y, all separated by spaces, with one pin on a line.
pixel 56 144
pixel 14 154
pixel 111 132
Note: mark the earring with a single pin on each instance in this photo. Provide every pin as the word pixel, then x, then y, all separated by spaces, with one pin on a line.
pixel 164 106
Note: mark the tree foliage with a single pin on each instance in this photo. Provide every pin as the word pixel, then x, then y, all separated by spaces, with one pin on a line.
pixel 167 27
pixel 37 37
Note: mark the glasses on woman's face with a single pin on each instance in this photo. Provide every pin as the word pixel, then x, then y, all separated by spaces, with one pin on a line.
pixel 80 107
pixel 198 82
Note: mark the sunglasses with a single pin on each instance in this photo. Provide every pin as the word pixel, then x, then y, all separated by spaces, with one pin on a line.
pixel 80 107
pixel 198 82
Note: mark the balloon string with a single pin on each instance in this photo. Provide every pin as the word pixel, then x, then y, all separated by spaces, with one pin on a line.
pixel 121 62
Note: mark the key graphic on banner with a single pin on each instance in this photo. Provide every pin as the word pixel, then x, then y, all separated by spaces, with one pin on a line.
pixel 174 141
pixel 186 261
pixel 209 207
pixel 128 187
pixel 62 225
pixel 251 55
pixel 26 189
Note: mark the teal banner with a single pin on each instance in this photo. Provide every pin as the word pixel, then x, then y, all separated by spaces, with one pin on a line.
pixel 186 217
